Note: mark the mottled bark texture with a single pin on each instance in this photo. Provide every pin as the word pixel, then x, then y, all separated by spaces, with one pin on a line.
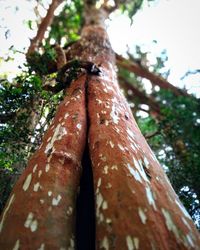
pixel 40 213
pixel 136 207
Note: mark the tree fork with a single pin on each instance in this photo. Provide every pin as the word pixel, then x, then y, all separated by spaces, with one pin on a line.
pixel 136 207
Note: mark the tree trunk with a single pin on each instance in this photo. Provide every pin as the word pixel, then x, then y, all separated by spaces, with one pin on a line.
pixel 136 207
pixel 40 213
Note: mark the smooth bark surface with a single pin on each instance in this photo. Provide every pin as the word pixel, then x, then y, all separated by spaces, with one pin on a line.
pixel 40 213
pixel 135 205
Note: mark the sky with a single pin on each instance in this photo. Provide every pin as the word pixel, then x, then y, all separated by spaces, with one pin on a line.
pixel 174 24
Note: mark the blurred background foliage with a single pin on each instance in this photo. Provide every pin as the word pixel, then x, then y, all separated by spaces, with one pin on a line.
pixel 170 123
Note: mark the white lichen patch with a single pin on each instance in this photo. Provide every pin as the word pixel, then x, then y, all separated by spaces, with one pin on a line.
pixel 99 182
pixel 142 215
pixel 130 133
pixel 150 197
pixel 42 247
pixel 146 162
pixel 99 101
pixel 104 205
pixel 114 115
pixel 101 217
pixel 49 193
pixel 121 147
pixel 185 222
pixel 105 243
pixel 5 211
pixel 114 167
pixel 106 122
pixel 108 220
pixel 27 182
pixel 31 222
pixel 136 242
pixel 169 223
pixel 39 173
pixel 105 169
pixel 47 167
pixel 79 126
pixel 66 116
pixel 55 201
pixel 69 210
pixel 138 165
pixel 117 130
pixel 184 211
pixel 35 168
pixel 99 201
pixel 134 173
pixel 36 187
pixel 111 144
pixel 129 243
pixel 49 139
pixel 102 158
pixel 34 226
pixel 28 220
pixel 16 246
pixel 72 244
pixel 58 134
pixel 67 103
pixel 133 147
pixel 132 242
pixel 190 241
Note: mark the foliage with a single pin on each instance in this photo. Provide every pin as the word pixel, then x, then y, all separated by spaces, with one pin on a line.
pixel 26 111
pixel 177 145
pixel 67 24
pixel 42 63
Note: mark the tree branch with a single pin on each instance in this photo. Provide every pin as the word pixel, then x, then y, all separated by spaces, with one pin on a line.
pixel 144 98
pixel 145 73
pixel 47 21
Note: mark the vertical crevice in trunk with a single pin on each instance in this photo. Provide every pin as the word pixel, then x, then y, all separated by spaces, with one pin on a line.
pixel 85 211
pixel 85 205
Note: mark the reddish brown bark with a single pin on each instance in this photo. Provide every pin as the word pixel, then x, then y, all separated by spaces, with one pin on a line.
pixel 40 213
pixel 46 22
pixel 136 207
pixel 139 70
